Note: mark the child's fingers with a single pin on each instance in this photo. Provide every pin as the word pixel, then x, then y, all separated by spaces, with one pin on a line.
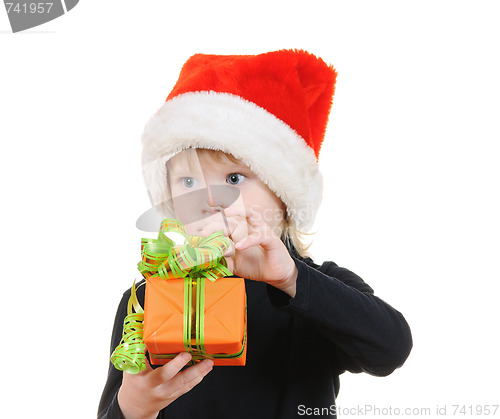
pixel 243 225
pixel 230 263
pixel 230 251
pixel 249 241
pixel 224 224
pixel 240 231
pixel 152 390
pixel 249 221
pixel 254 215
pixel 170 369
pixel 187 379
pixel 261 235
pixel 236 211
pixel 148 369
pixel 243 212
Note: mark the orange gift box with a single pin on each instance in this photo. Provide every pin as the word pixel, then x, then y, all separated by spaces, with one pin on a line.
pixel 205 318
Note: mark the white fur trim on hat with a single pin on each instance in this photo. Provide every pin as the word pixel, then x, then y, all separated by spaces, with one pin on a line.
pixel 220 121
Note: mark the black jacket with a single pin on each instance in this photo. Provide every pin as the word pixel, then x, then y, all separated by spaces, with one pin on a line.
pixel 297 348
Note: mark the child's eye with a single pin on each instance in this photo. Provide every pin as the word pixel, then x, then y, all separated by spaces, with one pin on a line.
pixel 189 182
pixel 235 178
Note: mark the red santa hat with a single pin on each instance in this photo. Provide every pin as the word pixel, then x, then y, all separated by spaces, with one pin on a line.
pixel 268 110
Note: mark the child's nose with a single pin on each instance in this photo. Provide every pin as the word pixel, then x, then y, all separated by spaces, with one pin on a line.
pixel 214 202
pixel 221 196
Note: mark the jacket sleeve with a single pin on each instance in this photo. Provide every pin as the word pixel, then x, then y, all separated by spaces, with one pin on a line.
pixel 108 406
pixel 368 334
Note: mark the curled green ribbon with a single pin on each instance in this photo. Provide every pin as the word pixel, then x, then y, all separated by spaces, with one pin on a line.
pixel 129 356
pixel 198 257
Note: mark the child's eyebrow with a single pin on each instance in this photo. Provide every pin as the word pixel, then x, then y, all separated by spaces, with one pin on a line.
pixel 185 166
pixel 235 166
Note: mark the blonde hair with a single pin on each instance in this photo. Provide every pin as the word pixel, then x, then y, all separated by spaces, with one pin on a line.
pixel 289 234
pixel 294 239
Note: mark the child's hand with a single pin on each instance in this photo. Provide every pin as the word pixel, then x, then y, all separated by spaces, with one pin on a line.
pixel 143 395
pixel 258 254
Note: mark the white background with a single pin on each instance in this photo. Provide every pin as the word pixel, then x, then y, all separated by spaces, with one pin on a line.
pixel 411 165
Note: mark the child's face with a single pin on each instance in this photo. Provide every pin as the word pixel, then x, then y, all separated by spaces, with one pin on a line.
pixel 204 183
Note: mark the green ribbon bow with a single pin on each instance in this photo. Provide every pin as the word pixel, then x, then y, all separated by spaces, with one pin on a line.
pixel 198 257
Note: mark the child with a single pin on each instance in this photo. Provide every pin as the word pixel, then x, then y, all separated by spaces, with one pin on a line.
pixel 240 136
